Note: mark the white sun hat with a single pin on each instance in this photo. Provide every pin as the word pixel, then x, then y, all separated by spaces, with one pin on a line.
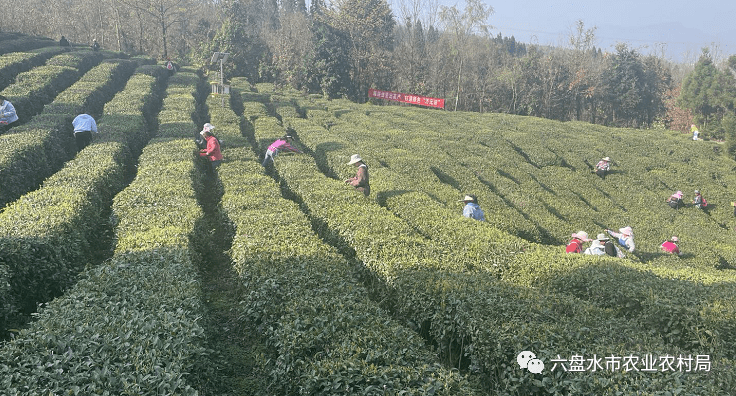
pixel 355 158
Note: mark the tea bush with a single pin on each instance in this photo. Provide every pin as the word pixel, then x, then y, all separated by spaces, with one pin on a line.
pixel 130 325
pixel 14 63
pixel 598 323
pixel 46 233
pixel 25 43
pixel 41 146
pixel 629 299
pixel 330 338
pixel 35 88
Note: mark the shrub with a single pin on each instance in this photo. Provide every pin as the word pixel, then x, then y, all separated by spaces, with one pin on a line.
pixel 14 63
pixel 329 337
pixel 47 232
pixel 130 326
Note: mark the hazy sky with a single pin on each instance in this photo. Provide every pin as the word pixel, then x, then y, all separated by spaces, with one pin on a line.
pixel 684 25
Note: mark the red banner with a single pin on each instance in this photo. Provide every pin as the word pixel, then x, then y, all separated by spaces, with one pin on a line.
pixel 407 98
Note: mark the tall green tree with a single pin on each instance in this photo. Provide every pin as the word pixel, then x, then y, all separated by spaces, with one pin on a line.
pixel 623 80
pixel 239 35
pixel 369 27
pixel 411 59
pixel 329 68
pixel 657 85
pixel 710 94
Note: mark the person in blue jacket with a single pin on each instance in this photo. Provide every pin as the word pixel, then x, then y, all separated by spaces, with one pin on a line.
pixel 472 209
pixel 7 113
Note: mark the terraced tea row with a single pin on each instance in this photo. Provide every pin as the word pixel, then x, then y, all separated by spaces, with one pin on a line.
pixel 41 146
pixel 46 234
pixel 529 260
pixel 130 325
pixel 329 337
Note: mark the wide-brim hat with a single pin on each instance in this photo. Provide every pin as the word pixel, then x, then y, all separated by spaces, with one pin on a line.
pixel 697 192
pixel 355 158
pixel 606 159
pixel 674 239
pixel 467 198
pixel 582 235
pixel 208 126
pixel 626 231
pixel 602 237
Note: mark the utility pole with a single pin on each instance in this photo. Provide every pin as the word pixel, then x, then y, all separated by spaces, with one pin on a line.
pixel 222 57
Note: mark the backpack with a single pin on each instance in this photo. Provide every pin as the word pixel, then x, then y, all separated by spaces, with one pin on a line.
pixel 610 249
pixel 674 203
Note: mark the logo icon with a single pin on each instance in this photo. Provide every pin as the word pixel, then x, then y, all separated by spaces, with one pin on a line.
pixel 528 360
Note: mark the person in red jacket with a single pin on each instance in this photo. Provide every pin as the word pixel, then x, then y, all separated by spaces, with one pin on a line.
pixel 670 246
pixel 212 151
pixel 576 244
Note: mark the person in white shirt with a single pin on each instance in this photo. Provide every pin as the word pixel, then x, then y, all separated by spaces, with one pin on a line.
pixel 84 125
pixel 7 113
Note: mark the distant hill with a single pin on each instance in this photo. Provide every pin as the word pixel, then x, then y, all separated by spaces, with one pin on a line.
pixel 683 43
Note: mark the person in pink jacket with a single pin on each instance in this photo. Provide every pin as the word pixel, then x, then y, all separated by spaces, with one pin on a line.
pixel 675 200
pixel 277 146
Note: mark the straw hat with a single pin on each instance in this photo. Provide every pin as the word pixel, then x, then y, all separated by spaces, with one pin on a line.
pixel 601 237
pixel 626 231
pixel 582 235
pixel 674 239
pixel 355 158
pixel 606 159
pixel 467 198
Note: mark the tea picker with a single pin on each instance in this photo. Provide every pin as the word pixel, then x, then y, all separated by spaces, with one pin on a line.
pixel 360 180
pixel 625 237
pixel 602 245
pixel 670 246
pixel 603 167
pixel 276 147
pixel 7 113
pixel 675 200
pixel 699 201
pixel 576 244
pixel 472 209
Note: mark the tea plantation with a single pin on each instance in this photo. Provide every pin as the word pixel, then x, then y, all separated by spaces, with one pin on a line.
pixel 129 269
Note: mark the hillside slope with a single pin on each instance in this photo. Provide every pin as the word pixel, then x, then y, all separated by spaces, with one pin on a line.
pixel 534 180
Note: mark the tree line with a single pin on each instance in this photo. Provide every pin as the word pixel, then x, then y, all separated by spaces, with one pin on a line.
pixel 344 47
